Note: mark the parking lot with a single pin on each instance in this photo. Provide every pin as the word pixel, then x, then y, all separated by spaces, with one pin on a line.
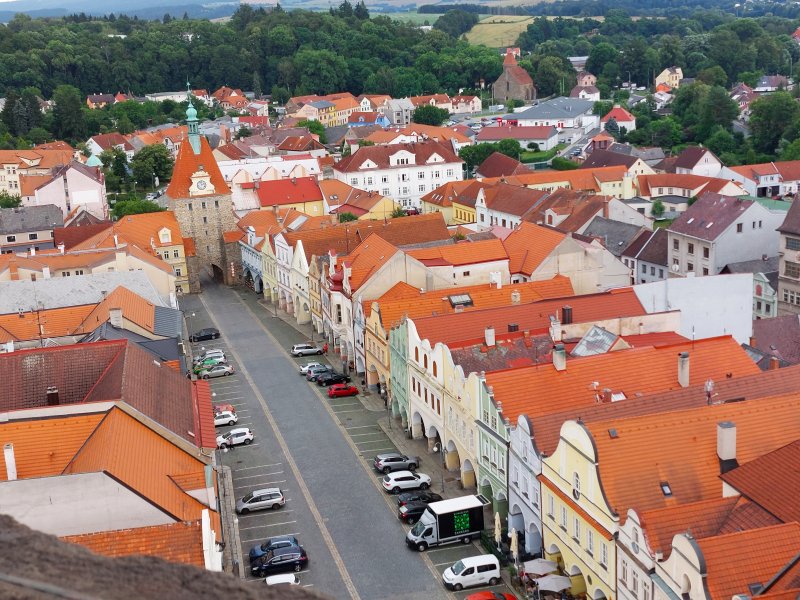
pixel 264 464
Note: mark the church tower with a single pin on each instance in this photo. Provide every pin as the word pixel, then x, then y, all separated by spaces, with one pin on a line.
pixel 201 201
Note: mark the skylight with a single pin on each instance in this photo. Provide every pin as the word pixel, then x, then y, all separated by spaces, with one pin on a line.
pixel 690 220
pixel 460 300
pixel 665 488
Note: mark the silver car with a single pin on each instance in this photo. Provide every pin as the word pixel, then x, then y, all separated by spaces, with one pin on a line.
pixel 260 500
pixel 306 349
pixel 219 370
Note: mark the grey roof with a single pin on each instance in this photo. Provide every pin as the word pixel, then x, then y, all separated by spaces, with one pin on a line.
pixel 30 218
pixel 645 153
pixel 616 235
pixel 655 250
pixel 167 322
pixel 61 292
pixel 398 103
pixel 770 265
pixel 166 349
pixel 321 104
pixel 710 216
pixel 557 108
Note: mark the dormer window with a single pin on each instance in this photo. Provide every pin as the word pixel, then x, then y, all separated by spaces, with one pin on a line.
pixel 165 236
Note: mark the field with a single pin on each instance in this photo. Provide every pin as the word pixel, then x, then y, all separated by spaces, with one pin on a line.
pixel 498 31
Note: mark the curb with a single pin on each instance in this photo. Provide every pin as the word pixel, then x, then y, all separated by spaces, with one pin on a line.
pixel 232 561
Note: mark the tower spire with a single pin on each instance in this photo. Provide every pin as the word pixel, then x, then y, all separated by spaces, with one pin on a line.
pixel 191 121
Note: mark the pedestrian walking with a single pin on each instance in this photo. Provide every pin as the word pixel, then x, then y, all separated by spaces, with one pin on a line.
pixel 325 348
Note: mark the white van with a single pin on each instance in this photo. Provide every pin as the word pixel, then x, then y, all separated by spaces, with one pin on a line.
pixel 471 571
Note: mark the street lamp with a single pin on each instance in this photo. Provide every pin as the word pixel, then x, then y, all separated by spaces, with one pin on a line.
pixel 275 301
pixel 789 54
pixel 438 447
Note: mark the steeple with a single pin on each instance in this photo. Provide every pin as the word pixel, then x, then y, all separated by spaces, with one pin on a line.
pixel 191 121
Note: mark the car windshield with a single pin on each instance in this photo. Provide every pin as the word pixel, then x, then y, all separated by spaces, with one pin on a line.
pixel 415 476
pixel 418 529
pixel 458 567
pixel 248 497
pixel 227 436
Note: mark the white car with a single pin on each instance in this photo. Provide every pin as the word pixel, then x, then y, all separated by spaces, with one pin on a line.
pixel 398 481
pixel 225 417
pixel 214 353
pixel 312 365
pixel 234 437
pixel 283 579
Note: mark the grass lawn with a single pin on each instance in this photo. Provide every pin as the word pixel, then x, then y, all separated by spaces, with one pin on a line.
pixel 498 31
pixel 662 224
pixel 530 157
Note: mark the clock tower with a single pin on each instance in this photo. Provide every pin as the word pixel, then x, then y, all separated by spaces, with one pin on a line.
pixel 201 201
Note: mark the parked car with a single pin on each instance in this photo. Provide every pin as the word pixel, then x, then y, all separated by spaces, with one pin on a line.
pixel 216 371
pixel 223 407
pixel 405 480
pixel 426 497
pixel 326 379
pixel 489 595
pixel 306 349
pixel 314 374
pixel 226 417
pixel 394 461
pixel 312 365
pixel 278 541
pixel 234 437
pixel 411 512
pixel 208 363
pixel 471 571
pixel 279 560
pixel 209 333
pixel 283 579
pixel 339 390
pixel 260 500
pixel 206 354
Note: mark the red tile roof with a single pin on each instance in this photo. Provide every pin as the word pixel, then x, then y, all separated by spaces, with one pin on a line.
pixel 772 481
pixel 619 114
pixel 691 155
pixel 296 190
pixel 500 165
pixel 188 163
pixel 380 155
pixel 462 253
pixel 529 245
pixel 710 216
pixel 516 72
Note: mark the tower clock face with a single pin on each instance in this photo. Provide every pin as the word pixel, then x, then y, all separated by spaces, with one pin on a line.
pixel 201 185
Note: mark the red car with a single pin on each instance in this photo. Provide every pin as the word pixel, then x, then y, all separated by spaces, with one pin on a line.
pixel 223 407
pixel 487 595
pixel 338 390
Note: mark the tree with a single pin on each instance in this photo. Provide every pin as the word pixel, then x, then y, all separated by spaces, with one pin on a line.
pixel 510 148
pixel 279 94
pixel 360 11
pixel 612 128
pixel 151 162
pixel 69 122
pixel 713 76
pixel 602 107
pixel 791 151
pixel 716 110
pixel 345 217
pixel 134 207
pixel 553 76
pixel 9 201
pixel 316 128
pixel 657 209
pixel 475 155
pixel 256 85
pixel 769 117
pixel 456 22
pixel 243 132
pixel 563 164
pixel 399 211
pixel 429 115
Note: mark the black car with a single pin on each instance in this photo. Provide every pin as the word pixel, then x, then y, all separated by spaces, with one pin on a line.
pixel 326 379
pixel 411 512
pixel 209 333
pixel 279 541
pixel 418 496
pixel 289 558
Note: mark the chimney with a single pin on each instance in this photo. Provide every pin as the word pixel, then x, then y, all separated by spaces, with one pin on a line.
pixel 683 369
pixel 515 297
pixel 33 250
pixel 774 363
pixel 45 272
pixel 115 317
pixel 52 396
pixel 294 180
pixel 61 248
pixel 429 281
pixel 512 327
pixel 488 335
pixel 726 445
pixel 555 329
pixel 566 315
pixel 606 396
pixel 11 463
pixel 275 208
pixel 559 357
pixel 116 241
pixel 605 208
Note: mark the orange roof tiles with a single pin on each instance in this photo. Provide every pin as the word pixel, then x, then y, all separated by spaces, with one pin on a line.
pixel 44 447
pixel 366 259
pixel 541 389
pixel 189 163
pixel 403 299
pixel 175 542
pixel 381 155
pixel 647 184
pixel 445 194
pixel 529 245
pixel 578 179
pixel 52 323
pixel 772 481
pixel 471 325
pixel 461 253
pixel 28 184
pixel 142 460
pixel 141 230
pixel 634 462
pixel 730 573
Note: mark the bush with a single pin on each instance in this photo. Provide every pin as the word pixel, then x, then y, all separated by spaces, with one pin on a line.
pixel 563 164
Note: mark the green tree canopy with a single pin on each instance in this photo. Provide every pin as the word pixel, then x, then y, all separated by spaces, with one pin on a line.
pixel 345 217
pixel 769 117
pixel 429 115
pixel 134 207
pixel 68 118
pixel 151 162
pixel 9 201
pixel 316 128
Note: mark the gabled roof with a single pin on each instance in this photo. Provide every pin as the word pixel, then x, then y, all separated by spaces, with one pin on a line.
pixel 300 143
pixel 461 253
pixel 71 236
pixel 111 140
pixel 619 114
pixel 452 328
pixel 778 336
pixel 25 219
pixel 445 194
pixel 529 245
pixel 729 574
pixel 630 458
pixel 514 71
pixel 512 199
pixel 288 191
pixel 614 235
pixel 369 256
pixel 506 132
pixel 772 481
pixel 540 390
pixel 188 163
pixel 656 249
pixel 577 179
pixel 403 299
pixel 607 158
pixel 791 222
pixel 710 216
pixel 500 165
pixel 338 193
pixel 691 155
pixel 380 155
pixel 109 371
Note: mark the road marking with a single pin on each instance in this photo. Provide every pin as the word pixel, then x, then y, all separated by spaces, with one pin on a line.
pixel 371 450
pixel 258 467
pixel 371 442
pixel 345 404
pixel 249 485
pixel 341 412
pixel 359 426
pixel 260 475
pixel 370 433
pixel 262 526
pixel 326 535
